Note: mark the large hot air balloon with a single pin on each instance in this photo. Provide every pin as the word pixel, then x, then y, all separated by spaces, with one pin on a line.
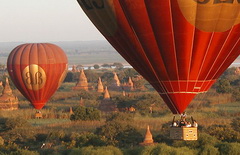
pixel 37 70
pixel 180 46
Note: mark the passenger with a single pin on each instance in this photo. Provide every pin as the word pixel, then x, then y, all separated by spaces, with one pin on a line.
pixel 195 124
pixel 188 124
pixel 177 123
pixel 38 111
pixel 182 123
pixel 174 124
pixel 183 116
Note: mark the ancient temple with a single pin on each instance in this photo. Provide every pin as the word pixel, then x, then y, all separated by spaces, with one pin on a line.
pixel 115 85
pixel 70 111
pixel 129 86
pixel 237 71
pixel 100 88
pixel 81 103
pixel 7 100
pixel 107 105
pixel 82 82
pixel 116 80
pixel 124 93
pixel 138 78
pixel 148 140
pixel 130 83
pixel 74 69
pixel 106 95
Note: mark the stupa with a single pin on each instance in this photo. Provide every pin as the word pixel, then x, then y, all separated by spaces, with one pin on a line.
pixel 136 79
pixel 70 111
pixel 100 88
pixel 82 82
pixel 130 83
pixel 148 140
pixel 74 69
pixel 115 85
pixel 81 102
pixel 107 105
pixel 116 80
pixel 129 86
pixel 124 93
pixel 237 71
pixel 7 100
pixel 131 109
pixel 106 95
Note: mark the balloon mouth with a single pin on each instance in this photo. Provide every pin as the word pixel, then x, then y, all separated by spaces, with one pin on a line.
pixel 38 105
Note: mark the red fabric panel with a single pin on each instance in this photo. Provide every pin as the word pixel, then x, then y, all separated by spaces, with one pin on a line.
pixel 154 36
pixel 47 56
pixel 183 37
pixel 182 100
pixel 161 23
pixel 139 21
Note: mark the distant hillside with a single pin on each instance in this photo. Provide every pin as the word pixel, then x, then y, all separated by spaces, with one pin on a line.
pixel 67 46
pixel 78 52
pixel 6 47
pixel 85 46
pixel 81 52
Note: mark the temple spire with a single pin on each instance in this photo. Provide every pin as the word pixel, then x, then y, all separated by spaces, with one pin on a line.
pixel 130 83
pixel 148 140
pixel 82 76
pixel 7 100
pixel 82 82
pixel 124 93
pixel 116 79
pixel 70 111
pixel 106 94
pixel 74 69
pixel 100 88
pixel 81 102
pixel 7 89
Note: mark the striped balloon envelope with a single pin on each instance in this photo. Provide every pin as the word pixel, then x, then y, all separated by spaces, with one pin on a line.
pixel 180 46
pixel 37 70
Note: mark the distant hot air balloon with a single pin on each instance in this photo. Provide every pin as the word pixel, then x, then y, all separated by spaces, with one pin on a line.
pixel 180 46
pixel 37 70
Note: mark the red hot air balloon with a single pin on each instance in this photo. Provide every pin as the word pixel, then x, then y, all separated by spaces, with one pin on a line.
pixel 180 46
pixel 37 70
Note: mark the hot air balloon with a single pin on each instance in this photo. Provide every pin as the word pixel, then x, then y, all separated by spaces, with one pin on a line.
pixel 180 46
pixel 37 70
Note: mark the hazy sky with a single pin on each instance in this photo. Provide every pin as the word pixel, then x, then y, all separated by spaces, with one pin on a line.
pixel 44 21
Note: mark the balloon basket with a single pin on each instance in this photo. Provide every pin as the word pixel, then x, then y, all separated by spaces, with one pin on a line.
pixel 38 115
pixel 183 133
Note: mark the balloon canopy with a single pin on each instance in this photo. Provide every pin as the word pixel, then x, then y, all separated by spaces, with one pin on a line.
pixel 180 46
pixel 37 70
